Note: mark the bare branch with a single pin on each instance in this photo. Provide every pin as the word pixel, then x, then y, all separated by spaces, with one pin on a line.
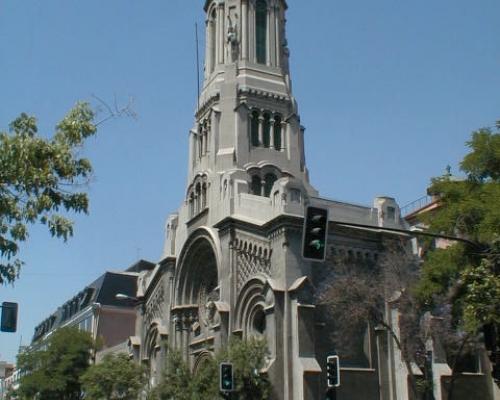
pixel 115 111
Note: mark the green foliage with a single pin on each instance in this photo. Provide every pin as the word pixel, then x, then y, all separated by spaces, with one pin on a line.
pixel 483 162
pixel 469 208
pixel 248 359
pixel 482 295
pixel 442 268
pixel 116 377
pixel 39 178
pixel 54 373
pixel 176 382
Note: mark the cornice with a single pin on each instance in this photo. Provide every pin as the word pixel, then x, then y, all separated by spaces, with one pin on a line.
pixel 281 221
pixel 244 90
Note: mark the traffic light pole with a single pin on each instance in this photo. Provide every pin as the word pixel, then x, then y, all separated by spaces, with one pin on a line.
pixel 331 394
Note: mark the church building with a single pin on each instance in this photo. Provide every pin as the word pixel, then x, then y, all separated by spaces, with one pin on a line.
pixel 232 263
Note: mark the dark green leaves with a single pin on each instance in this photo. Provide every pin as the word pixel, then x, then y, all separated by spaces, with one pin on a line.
pixel 116 377
pixel 54 373
pixel 483 162
pixel 469 208
pixel 248 358
pixel 41 181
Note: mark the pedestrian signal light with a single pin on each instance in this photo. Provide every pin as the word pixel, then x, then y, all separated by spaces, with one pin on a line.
pixel 226 377
pixel 333 371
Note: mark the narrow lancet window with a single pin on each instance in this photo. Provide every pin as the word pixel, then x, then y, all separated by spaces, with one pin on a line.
pixel 211 42
pixel 256 185
pixel 267 130
pixel 203 196
pixel 277 132
pixel 261 31
pixel 254 128
pixel 268 184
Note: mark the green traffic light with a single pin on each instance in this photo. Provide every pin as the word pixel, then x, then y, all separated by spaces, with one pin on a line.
pixel 317 244
pixel 315 233
pixel 226 377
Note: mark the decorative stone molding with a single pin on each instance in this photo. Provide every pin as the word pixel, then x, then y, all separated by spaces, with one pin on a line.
pixel 352 253
pixel 154 306
pixel 252 257
pixel 303 290
pixel 207 105
pixel 263 94
pixel 183 317
pixel 253 301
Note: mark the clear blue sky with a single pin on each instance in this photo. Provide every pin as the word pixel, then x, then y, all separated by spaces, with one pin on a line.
pixel 388 91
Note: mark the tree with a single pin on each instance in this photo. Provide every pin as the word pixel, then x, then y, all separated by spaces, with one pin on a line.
pixel 39 181
pixel 469 208
pixel 116 377
pixel 54 373
pixel 466 273
pixel 355 294
pixel 248 358
pixel 176 380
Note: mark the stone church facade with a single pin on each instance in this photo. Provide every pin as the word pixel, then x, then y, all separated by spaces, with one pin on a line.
pixel 232 263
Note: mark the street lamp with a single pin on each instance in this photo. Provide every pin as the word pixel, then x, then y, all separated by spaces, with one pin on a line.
pixel 122 296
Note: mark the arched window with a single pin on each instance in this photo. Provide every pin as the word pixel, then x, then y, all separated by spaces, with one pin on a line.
pixel 261 31
pixel 200 141
pixel 198 198
pixel 256 185
pixel 277 132
pixel 254 128
pixel 192 205
pixel 259 322
pixel 268 184
pixel 266 130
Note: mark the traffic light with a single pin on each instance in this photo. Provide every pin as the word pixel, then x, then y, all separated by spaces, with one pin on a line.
pixel 226 383
pixel 315 231
pixel 332 371
pixel 9 317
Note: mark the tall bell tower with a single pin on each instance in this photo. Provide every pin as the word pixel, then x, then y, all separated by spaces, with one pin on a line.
pixel 231 260
pixel 247 116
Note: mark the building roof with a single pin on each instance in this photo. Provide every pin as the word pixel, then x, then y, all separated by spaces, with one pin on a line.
pixel 102 291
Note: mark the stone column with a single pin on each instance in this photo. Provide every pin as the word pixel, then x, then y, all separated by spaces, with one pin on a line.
pixel 277 20
pixel 177 331
pixel 244 30
pixel 251 35
pixel 216 41
pixel 268 37
pixel 261 130
pixel 283 136
pixel 271 133
pixel 185 337
pixel 205 138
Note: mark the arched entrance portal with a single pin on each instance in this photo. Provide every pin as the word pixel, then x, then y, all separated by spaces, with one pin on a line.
pixel 197 287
